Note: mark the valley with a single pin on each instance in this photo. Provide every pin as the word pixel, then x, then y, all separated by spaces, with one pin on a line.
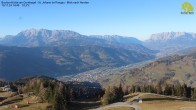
pixel 61 69
pixel 59 53
pixel 174 69
pixel 97 55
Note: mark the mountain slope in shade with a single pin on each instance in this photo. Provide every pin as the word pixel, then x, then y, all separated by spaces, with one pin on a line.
pixel 118 39
pixel 16 62
pixel 169 42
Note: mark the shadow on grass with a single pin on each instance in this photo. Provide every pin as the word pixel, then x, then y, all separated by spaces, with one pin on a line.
pixel 162 99
pixel 11 101
pixel 23 105
pixel 84 105
pixel 2 98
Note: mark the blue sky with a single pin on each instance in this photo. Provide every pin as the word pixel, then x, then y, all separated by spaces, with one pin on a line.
pixel 134 18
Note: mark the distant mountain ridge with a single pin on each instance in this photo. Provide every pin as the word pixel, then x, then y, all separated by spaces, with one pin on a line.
pixel 36 38
pixel 169 42
pixel 165 36
pixel 58 38
pixel 44 37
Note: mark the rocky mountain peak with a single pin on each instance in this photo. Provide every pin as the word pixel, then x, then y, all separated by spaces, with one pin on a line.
pixel 165 36
pixel 48 33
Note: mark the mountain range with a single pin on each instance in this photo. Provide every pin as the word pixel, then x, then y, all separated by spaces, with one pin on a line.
pixel 170 42
pixel 59 53
pixel 165 42
pixel 43 37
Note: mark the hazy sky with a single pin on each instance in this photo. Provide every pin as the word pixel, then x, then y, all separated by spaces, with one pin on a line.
pixel 136 18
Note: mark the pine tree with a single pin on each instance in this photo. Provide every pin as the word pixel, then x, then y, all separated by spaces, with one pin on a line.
pixel 178 90
pixel 137 88
pixel 107 97
pixel 167 90
pixel 173 90
pixel 133 89
pixel 60 102
pixel 145 88
pixel 120 93
pixel 188 95
pixel 193 94
pixel 184 90
pixel 125 90
pixel 112 94
pixel 159 88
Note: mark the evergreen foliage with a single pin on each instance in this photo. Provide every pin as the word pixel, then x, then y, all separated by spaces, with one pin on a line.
pixel 113 94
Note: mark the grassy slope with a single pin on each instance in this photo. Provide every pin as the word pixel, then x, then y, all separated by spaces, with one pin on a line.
pixel 156 102
pixel 181 70
pixel 21 100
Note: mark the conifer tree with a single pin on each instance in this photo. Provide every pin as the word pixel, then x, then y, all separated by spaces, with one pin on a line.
pixel 158 88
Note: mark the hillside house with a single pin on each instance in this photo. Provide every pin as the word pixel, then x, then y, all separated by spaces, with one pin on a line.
pixel 6 88
pixel 138 100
